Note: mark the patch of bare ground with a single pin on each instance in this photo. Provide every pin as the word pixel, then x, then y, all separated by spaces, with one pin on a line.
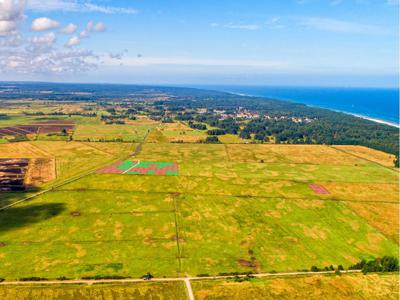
pixel 40 171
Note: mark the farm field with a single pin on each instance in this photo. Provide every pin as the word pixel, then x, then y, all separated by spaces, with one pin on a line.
pixel 126 133
pixel 347 286
pixel 231 208
pixel 369 154
pixel 149 290
pixel 65 160
pixel 180 132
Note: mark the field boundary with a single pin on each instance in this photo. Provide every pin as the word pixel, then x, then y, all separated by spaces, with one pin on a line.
pixel 240 196
pixel 179 256
pixel 166 279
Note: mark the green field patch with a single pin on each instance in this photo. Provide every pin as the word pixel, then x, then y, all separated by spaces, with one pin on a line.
pixel 275 234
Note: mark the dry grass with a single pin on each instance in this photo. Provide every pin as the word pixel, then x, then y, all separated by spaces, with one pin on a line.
pixel 145 290
pixel 22 150
pixel 303 287
pixel 368 192
pixel 383 216
pixel 379 157
pixel 297 154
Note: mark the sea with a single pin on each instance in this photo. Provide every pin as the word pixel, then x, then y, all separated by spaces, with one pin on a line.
pixel 377 104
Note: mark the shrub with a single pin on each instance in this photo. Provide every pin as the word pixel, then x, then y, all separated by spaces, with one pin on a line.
pixel 203 275
pixel 212 140
pixel 63 278
pixel 33 279
pixel 314 269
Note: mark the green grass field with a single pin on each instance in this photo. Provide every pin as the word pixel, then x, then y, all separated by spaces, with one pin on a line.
pixel 126 133
pixel 232 208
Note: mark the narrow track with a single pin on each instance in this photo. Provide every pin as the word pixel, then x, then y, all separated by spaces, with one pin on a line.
pixel 134 280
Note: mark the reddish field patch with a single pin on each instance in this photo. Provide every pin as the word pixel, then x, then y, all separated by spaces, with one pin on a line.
pixel 53 126
pixel 112 169
pixel 141 168
pixel 319 189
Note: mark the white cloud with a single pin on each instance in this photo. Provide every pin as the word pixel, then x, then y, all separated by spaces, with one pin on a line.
pixel 11 14
pixel 92 27
pixel 69 29
pixel 47 39
pixel 237 26
pixel 76 6
pixel 27 62
pixel 73 41
pixel 99 27
pixel 42 24
pixel 243 26
pixel 39 54
pixel 334 25
pixel 108 9
pixel 159 61
pixel 11 41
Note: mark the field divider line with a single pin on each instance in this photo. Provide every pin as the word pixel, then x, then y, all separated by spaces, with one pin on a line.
pixel 177 232
pixel 167 279
pixel 134 166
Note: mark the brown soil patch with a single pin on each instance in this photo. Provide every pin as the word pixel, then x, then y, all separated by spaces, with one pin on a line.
pixel 75 213
pixel 41 170
pixel 246 263
pixel 2 244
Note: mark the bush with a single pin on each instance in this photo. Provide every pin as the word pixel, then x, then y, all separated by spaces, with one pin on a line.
pixel 33 279
pixel 203 275
pixel 63 278
pixel 340 268
pixel 2 279
pixel 147 276
pixel 99 277
pixel 315 269
pixel 212 140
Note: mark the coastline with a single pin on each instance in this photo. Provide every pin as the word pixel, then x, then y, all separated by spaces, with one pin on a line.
pixel 373 119
pixel 380 121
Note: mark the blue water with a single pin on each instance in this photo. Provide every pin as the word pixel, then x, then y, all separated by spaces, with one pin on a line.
pixel 382 104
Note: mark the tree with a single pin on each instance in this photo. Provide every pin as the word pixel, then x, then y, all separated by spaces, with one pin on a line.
pixel 314 269
pixel 212 140
pixel 396 161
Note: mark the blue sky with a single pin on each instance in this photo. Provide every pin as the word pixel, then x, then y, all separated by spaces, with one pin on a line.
pixel 293 42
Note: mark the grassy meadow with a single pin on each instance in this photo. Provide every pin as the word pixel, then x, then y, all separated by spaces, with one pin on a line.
pixel 232 208
pixel 101 132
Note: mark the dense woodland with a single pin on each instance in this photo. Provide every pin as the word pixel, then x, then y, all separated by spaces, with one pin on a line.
pixel 168 104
